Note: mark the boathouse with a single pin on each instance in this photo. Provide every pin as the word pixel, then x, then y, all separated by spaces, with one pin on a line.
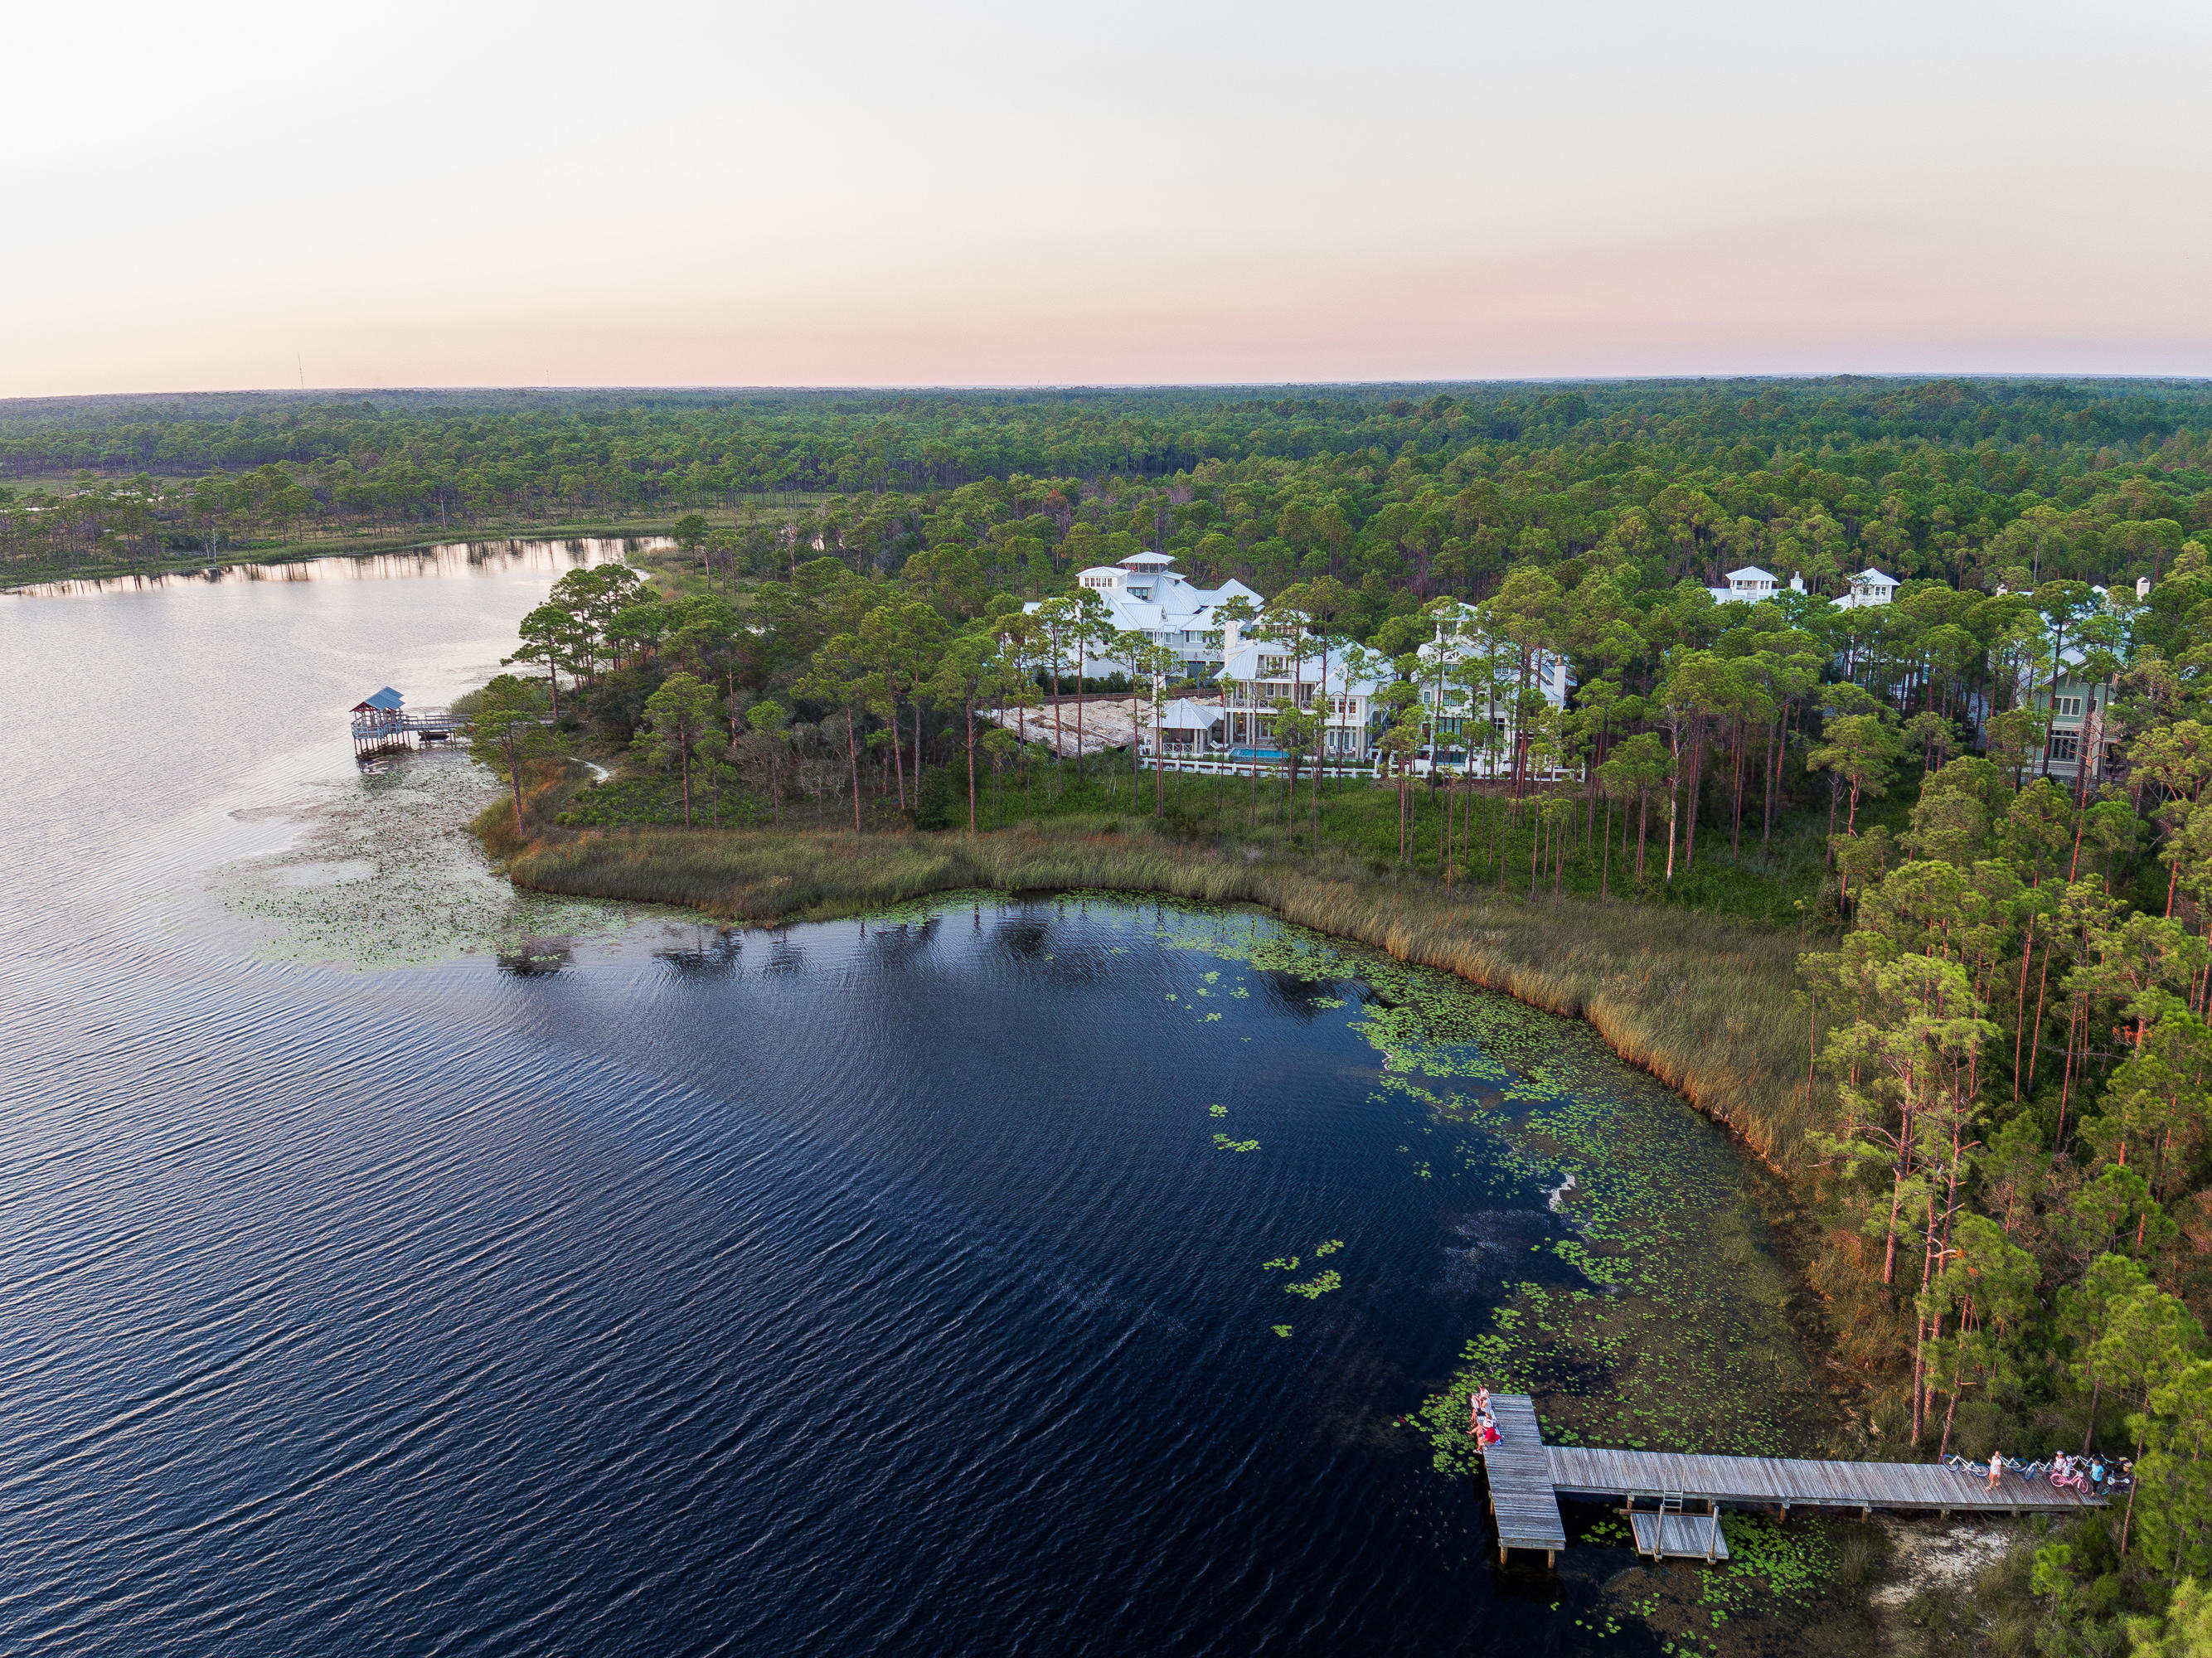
pixel 381 723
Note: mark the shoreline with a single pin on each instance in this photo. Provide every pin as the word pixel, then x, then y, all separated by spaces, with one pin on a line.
pixel 305 552
pixel 1703 1004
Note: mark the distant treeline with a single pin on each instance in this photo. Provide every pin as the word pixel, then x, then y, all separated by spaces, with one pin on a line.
pixel 1423 490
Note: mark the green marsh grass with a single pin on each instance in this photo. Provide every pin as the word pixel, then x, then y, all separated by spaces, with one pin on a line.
pixel 1705 1004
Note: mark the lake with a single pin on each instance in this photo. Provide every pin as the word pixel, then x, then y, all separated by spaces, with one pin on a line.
pixel 400 1263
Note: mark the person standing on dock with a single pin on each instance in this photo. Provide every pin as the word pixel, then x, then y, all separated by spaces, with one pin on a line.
pixel 1477 1406
pixel 1997 1467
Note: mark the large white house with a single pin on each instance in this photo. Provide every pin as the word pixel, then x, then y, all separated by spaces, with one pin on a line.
pixel 1146 599
pixel 1453 707
pixel 1260 670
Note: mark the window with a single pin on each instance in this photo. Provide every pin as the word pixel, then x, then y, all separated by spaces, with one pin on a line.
pixel 2064 745
pixel 2067 707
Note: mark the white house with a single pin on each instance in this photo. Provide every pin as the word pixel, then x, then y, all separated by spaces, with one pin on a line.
pixel 1869 586
pixel 1746 587
pixel 1452 706
pixel 1147 600
pixel 1258 670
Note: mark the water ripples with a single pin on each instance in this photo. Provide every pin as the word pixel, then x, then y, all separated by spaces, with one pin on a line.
pixel 855 1290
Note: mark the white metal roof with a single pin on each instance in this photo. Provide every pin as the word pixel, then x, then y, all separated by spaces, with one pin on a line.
pixel 1183 714
pixel 1173 606
pixel 1244 663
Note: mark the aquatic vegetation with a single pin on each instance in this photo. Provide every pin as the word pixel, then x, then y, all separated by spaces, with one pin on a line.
pixel 1776 1580
pixel 382 875
pixel 1222 1142
pixel 1216 1110
pixel 1622 1265
pixel 1670 1290
pixel 1702 1002
pixel 1280 1329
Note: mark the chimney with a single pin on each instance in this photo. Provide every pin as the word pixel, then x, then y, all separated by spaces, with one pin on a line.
pixel 2142 586
pixel 1796 582
pixel 1228 636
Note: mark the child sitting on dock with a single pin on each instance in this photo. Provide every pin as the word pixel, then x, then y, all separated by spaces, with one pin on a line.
pixel 1482 1423
pixel 1478 1408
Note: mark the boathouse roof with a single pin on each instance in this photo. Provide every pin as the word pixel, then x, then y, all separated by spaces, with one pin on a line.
pixel 386 700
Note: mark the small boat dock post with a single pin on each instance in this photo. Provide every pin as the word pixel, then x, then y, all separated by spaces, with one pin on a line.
pixel 381 725
pixel 1673 1499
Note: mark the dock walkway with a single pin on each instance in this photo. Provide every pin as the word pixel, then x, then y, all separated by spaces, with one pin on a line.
pixel 1522 1499
pixel 1527 1478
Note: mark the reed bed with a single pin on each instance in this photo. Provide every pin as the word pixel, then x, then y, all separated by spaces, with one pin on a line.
pixel 1706 1004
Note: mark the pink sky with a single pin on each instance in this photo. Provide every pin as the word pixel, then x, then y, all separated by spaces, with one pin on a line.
pixel 865 194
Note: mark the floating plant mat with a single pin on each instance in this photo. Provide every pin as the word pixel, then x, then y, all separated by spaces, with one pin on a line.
pixel 1630 1285
pixel 386 874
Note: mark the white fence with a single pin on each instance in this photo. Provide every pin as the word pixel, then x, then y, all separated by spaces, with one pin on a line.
pixel 1225 765
pixel 1222 765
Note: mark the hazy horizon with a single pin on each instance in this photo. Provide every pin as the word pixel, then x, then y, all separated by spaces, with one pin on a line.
pixel 1106 387
pixel 859 196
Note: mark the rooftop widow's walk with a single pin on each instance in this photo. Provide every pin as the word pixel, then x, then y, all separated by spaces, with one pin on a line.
pixel 1672 1498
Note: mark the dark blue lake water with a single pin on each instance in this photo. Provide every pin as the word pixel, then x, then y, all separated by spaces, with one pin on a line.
pixel 884 1287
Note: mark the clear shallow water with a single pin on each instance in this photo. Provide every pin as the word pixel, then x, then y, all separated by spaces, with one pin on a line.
pixel 869 1287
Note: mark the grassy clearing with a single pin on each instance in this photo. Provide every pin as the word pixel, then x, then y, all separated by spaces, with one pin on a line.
pixel 1491 847
pixel 1504 854
pixel 1704 1003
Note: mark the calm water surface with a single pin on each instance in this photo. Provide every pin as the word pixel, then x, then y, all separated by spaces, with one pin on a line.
pixel 880 1288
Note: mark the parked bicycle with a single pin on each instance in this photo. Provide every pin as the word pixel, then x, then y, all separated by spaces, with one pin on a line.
pixel 2089 1475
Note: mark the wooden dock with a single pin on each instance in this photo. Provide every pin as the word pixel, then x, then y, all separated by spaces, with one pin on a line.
pixel 1786 1483
pixel 1527 1478
pixel 1666 1533
pixel 382 723
pixel 1522 1499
